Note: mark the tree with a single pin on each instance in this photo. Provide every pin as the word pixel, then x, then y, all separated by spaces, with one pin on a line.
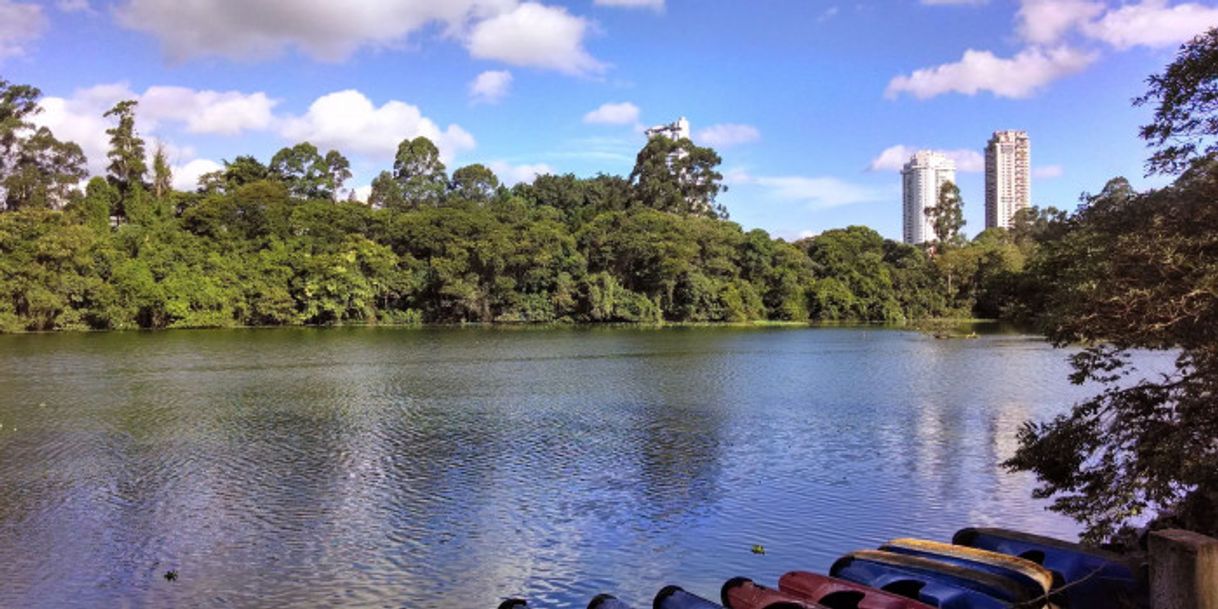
pixel 43 172
pixel 1140 271
pixel 386 193
pixel 1185 126
pixel 419 172
pixel 17 104
pixel 947 215
pixel 127 167
pixel 303 170
pixel 474 183
pixel 162 175
pixel 337 172
pixel 241 171
pixel 678 177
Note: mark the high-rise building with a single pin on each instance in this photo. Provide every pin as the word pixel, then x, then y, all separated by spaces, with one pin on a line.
pixel 921 180
pixel 1008 177
pixel 673 131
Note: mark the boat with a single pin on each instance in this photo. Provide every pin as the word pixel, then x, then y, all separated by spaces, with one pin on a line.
pixel 938 583
pixel 1037 580
pixel 1089 577
pixel 835 592
pixel 743 593
pixel 675 597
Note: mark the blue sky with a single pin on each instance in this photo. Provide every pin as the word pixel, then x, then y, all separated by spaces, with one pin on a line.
pixel 812 104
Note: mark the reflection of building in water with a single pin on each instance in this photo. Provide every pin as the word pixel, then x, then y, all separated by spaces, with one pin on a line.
pixel 673 131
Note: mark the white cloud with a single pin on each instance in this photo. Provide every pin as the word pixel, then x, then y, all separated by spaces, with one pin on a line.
pixel 1152 23
pixel 349 122
pixel 977 71
pixel 728 134
pixel 20 24
pixel 652 4
pixel 511 175
pixel 518 33
pixel 535 35
pixel 1048 171
pixel 818 192
pixel 894 158
pixel 490 86
pixel 829 13
pixel 622 113
pixel 79 118
pixel 331 31
pixel 362 193
pixel 186 177
pixel 1047 21
pixel 215 112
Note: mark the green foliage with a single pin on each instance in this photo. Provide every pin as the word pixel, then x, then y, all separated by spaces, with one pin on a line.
pixel 474 183
pixel 678 177
pixel 947 215
pixel 127 167
pixel 1185 126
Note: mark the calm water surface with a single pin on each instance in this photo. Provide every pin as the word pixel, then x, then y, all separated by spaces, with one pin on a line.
pixel 453 467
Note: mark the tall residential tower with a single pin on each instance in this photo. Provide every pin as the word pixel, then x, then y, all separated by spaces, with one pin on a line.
pixel 921 180
pixel 1008 177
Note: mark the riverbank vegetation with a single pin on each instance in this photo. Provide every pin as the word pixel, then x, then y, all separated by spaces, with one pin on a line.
pixel 277 243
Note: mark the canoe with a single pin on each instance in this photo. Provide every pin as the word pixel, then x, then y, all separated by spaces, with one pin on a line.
pixel 834 592
pixel 1089 577
pixel 743 593
pixel 674 597
pixel 607 601
pixel 514 603
pixel 1037 580
pixel 933 582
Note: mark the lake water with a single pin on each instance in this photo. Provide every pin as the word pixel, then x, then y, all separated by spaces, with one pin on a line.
pixel 449 467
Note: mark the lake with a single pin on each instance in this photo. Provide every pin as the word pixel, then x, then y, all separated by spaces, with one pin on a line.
pixel 453 467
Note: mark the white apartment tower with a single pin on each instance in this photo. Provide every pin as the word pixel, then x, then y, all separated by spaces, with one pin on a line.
pixel 921 180
pixel 1008 177
pixel 673 131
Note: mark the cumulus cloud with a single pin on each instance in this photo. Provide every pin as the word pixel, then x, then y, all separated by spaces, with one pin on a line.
pixel 510 174
pixel 727 135
pixel 1047 21
pixel 1019 76
pixel 490 86
pixel 1048 171
pixel 524 34
pixel 894 158
pixel 348 121
pixel 535 35
pixel 20 24
pixel 186 177
pixel 652 4
pixel 214 112
pixel 1152 23
pixel 79 118
pixel 621 113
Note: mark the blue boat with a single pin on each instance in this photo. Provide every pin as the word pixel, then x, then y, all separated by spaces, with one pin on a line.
pixel 1090 578
pixel 936 583
pixel 1036 580
pixel 675 597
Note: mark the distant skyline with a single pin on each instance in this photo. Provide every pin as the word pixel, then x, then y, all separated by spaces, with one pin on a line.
pixel 814 106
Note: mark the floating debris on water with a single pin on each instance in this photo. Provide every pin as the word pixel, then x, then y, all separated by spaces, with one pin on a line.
pixel 758 549
pixel 171 575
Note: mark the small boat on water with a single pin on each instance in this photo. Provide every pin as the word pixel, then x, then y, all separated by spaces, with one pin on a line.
pixel 1089 577
pixel 980 569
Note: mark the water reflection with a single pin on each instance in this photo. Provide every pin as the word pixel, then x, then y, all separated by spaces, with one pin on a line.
pixel 451 467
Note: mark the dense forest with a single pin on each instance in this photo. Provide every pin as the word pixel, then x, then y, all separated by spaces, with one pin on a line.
pixel 276 244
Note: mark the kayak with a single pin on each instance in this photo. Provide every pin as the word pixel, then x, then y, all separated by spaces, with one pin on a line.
pixel 1037 580
pixel 834 592
pixel 933 582
pixel 1089 577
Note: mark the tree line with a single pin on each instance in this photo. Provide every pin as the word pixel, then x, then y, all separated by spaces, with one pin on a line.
pixel 277 243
